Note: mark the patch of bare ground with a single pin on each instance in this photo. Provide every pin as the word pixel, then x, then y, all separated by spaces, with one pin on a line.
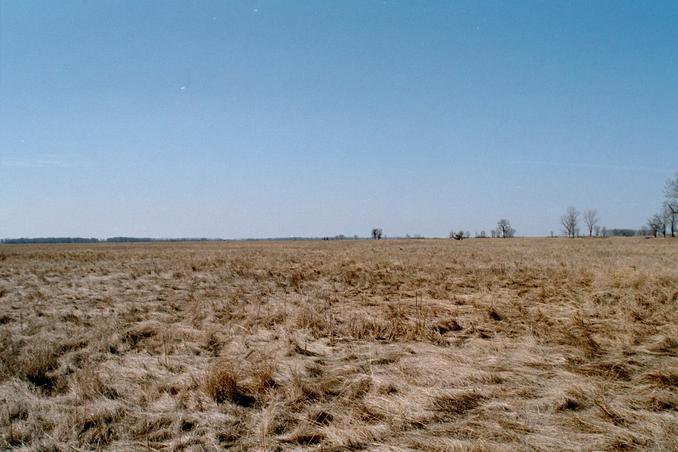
pixel 545 344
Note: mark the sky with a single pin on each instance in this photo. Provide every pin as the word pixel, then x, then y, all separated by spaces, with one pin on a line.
pixel 313 118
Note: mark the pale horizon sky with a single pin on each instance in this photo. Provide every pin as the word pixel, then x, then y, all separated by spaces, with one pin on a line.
pixel 253 119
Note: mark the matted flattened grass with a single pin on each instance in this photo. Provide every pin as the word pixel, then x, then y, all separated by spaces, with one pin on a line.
pixel 395 344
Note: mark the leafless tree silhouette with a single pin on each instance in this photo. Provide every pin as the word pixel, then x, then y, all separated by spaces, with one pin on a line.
pixel 591 220
pixel 569 221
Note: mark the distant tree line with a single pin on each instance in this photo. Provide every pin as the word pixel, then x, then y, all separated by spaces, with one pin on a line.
pixel 570 223
pixel 47 240
pixel 148 239
pixel 504 230
pixel 341 237
pixel 50 240
pixel 616 232
pixel 663 223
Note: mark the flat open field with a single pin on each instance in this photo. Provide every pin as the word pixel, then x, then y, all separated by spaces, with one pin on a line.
pixel 392 345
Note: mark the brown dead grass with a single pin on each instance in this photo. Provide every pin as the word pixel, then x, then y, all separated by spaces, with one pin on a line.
pixel 544 344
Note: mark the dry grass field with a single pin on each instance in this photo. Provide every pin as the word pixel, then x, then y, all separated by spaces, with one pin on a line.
pixel 519 344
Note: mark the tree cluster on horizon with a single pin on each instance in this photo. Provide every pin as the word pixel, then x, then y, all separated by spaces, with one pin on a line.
pixel 667 217
pixel 570 221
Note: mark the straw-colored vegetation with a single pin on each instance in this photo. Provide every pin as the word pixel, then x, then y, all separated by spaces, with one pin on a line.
pixel 424 344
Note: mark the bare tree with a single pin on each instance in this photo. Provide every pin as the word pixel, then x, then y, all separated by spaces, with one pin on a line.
pixel 377 233
pixel 504 229
pixel 596 230
pixel 591 220
pixel 671 189
pixel 671 217
pixel 457 235
pixel 657 225
pixel 671 204
pixel 569 221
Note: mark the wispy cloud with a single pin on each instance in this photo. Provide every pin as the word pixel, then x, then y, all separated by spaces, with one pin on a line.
pixel 601 166
pixel 37 162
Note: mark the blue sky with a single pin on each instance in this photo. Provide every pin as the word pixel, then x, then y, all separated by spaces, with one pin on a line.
pixel 279 118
